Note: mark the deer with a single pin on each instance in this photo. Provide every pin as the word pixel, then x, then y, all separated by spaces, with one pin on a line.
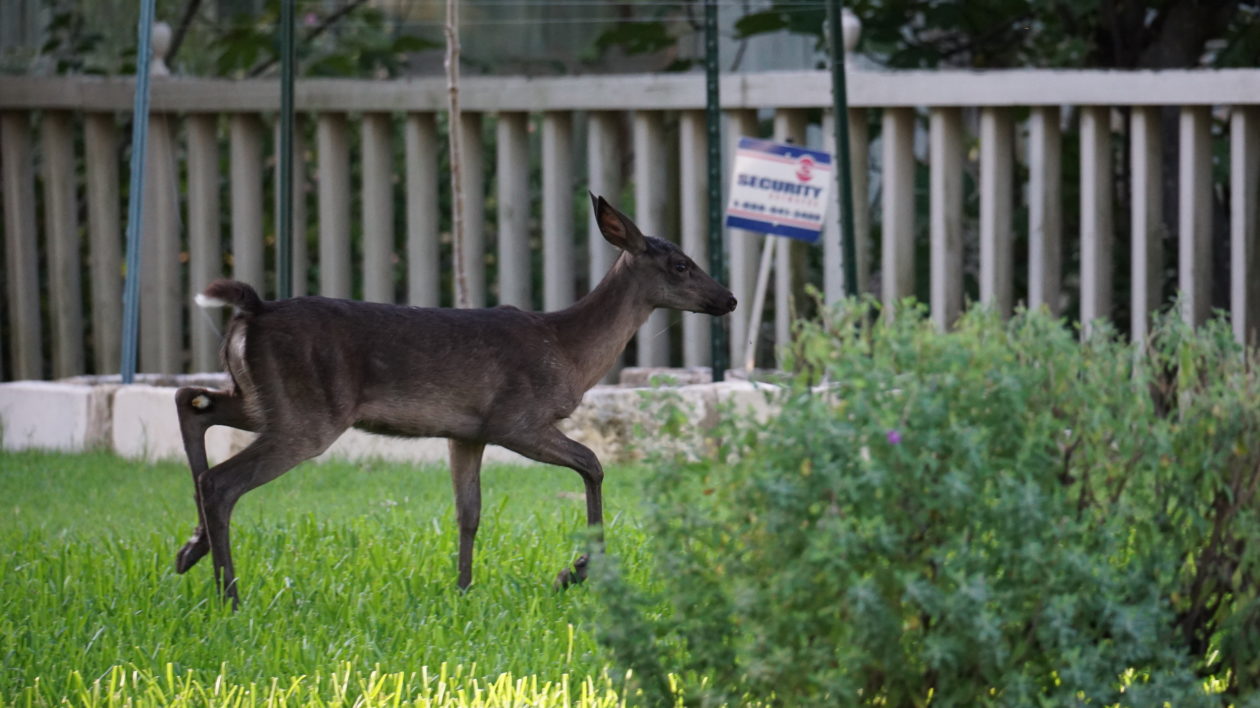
pixel 304 370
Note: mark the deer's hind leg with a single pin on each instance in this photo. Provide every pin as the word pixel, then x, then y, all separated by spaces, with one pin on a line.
pixel 198 410
pixel 274 452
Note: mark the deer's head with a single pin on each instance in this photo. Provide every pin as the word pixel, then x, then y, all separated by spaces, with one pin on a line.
pixel 667 276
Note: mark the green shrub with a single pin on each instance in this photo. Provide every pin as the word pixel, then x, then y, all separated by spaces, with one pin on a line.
pixel 999 515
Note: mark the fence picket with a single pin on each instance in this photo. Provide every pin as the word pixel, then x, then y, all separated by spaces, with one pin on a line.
pixel 474 208
pixel 557 210
pixel 897 272
pixel 945 214
pixel 1244 133
pixel 424 279
pixel 997 146
pixel 668 193
pixel 61 223
pixel 205 248
pixel 161 294
pixel 1194 211
pixel 652 341
pixel 378 208
pixel 1096 215
pixel 789 254
pixel 1045 209
pixel 100 135
pixel 743 246
pixel 512 175
pixel 694 230
pixel 1147 219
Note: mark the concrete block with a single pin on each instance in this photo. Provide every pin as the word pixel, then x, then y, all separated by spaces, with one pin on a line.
pixel 146 427
pixel 620 424
pixel 54 416
pixel 358 445
pixel 747 398
pixel 654 376
pixel 140 422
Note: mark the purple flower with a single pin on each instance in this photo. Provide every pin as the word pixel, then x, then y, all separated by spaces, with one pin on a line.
pixel 894 437
pixel 311 19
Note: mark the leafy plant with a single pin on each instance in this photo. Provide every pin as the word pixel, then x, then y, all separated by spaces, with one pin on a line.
pixel 998 515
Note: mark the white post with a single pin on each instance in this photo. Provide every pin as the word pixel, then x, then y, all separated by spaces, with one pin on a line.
pixel 758 302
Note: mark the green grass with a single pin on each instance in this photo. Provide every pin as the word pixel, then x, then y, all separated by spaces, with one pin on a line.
pixel 347 576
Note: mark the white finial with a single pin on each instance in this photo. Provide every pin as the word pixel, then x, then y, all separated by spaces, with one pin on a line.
pixel 852 28
pixel 161 46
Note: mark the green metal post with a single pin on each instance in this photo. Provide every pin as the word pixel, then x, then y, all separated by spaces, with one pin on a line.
pixel 135 207
pixel 284 240
pixel 713 116
pixel 840 109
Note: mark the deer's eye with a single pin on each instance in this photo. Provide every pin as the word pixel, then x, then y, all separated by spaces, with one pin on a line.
pixel 680 267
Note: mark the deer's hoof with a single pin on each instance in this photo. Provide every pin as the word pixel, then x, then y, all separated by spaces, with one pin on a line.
pixel 574 575
pixel 192 552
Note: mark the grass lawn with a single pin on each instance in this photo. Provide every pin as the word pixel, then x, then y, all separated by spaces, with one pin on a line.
pixel 347 576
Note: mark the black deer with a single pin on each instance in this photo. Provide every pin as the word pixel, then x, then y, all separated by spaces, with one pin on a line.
pixel 304 370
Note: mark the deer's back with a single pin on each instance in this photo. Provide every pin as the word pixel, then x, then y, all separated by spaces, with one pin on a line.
pixel 427 372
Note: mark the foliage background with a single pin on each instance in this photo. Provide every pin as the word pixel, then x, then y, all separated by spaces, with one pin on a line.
pixel 999 515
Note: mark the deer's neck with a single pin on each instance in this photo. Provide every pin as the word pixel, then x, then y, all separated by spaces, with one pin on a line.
pixel 595 330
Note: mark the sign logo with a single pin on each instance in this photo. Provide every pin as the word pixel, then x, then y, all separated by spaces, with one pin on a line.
pixel 779 189
pixel 804 172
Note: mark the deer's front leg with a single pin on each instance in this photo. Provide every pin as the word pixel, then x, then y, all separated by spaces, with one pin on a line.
pixel 466 478
pixel 198 410
pixel 554 447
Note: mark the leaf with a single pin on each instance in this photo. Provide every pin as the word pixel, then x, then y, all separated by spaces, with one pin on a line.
pixel 636 37
pixel 760 23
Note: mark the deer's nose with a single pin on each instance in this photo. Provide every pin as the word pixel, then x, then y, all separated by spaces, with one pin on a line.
pixel 731 302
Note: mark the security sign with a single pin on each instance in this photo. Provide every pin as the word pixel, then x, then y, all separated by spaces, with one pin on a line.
pixel 779 189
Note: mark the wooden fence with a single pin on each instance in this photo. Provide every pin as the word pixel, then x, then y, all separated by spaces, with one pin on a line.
pixel 367 148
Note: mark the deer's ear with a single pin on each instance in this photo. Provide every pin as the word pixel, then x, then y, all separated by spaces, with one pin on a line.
pixel 617 228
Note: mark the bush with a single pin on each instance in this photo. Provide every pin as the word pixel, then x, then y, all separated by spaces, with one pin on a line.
pixel 999 515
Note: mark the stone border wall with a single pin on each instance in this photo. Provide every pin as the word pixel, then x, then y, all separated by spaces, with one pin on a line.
pixel 138 421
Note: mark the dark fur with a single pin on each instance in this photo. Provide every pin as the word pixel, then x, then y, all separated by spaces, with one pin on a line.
pixel 306 369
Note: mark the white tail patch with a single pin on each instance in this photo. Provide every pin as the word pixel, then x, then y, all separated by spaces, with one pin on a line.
pixel 208 302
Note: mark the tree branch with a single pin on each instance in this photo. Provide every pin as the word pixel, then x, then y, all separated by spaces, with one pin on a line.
pixel 181 29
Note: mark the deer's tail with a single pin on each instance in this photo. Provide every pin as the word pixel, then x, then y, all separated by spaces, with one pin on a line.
pixel 221 293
